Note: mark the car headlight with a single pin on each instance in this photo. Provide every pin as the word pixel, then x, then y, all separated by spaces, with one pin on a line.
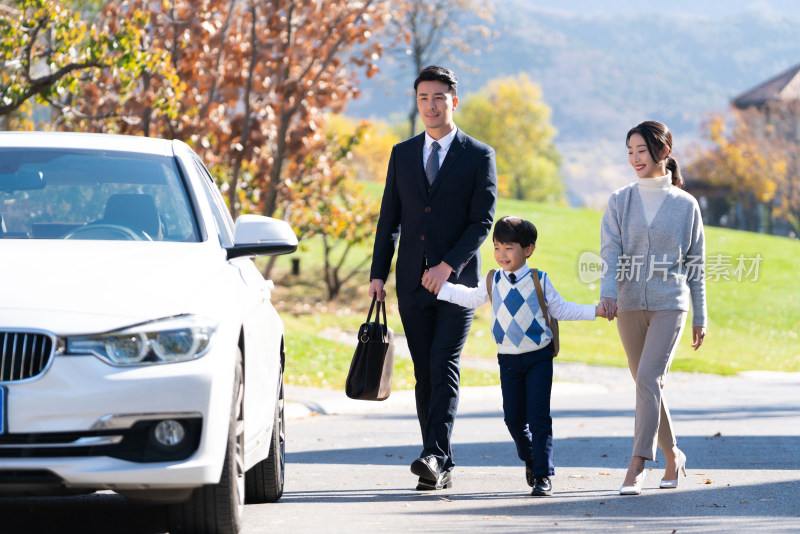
pixel 175 339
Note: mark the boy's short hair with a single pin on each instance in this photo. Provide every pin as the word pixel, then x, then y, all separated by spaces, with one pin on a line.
pixel 511 229
pixel 435 73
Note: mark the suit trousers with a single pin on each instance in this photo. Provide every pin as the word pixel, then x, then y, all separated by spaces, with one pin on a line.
pixel 649 339
pixel 436 332
pixel 526 381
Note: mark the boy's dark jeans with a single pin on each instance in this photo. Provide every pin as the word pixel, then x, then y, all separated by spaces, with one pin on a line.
pixel 526 380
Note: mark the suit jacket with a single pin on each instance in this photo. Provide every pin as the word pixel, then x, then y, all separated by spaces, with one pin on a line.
pixel 446 221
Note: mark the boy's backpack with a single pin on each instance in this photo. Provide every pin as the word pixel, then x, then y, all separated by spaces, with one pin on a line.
pixel 552 322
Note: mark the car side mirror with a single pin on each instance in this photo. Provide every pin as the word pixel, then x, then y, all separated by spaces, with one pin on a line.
pixel 256 235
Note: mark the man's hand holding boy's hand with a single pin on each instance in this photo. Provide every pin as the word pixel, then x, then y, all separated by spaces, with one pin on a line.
pixel 434 278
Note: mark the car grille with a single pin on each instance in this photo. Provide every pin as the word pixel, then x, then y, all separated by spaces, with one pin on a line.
pixel 24 354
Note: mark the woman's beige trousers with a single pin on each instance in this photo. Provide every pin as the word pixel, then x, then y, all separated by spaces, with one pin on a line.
pixel 649 339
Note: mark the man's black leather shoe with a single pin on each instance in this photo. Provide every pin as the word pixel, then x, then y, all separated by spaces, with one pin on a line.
pixel 426 467
pixel 542 487
pixel 529 473
pixel 445 481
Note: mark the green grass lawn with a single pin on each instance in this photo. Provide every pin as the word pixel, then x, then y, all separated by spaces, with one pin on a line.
pixel 754 321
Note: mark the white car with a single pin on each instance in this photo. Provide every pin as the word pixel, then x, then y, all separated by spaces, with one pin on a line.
pixel 139 349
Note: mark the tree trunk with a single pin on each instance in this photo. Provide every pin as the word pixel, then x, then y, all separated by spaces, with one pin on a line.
pixel 237 164
pixel 412 120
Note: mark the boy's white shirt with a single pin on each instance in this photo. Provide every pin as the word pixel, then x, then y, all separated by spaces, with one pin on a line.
pixel 474 297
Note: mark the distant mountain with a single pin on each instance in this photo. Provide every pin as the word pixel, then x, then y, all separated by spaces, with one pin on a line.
pixel 605 66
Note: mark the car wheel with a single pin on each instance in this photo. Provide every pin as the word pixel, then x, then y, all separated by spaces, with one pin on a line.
pixel 265 479
pixel 218 508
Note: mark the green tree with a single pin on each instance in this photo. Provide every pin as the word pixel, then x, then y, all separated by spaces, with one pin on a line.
pixel 48 55
pixel 325 201
pixel 370 157
pixel 510 115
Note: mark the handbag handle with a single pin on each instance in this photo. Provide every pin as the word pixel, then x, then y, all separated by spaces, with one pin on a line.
pixel 372 306
pixel 381 307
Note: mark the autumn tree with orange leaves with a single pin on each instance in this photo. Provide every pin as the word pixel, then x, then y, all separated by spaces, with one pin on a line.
pixel 758 165
pixel 257 79
pixel 254 81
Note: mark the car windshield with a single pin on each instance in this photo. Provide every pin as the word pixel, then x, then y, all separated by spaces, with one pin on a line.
pixel 92 194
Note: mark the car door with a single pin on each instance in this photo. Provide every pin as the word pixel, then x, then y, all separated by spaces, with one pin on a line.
pixel 262 327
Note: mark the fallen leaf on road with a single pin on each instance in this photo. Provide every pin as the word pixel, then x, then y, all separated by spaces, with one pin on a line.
pixel 744 502
pixel 707 481
pixel 577 476
pixel 604 474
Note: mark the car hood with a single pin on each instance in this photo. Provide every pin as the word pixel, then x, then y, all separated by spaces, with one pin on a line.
pixel 95 286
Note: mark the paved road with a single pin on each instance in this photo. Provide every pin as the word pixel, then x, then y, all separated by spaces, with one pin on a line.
pixel 347 470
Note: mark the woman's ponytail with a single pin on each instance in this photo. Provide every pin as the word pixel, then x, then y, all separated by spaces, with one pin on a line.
pixel 674 168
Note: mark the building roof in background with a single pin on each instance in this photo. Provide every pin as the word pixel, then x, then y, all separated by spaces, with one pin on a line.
pixel 784 87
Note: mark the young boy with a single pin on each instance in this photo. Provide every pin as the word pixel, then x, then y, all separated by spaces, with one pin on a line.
pixel 524 343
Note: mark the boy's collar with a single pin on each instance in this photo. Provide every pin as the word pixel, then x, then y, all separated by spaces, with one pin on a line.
pixel 519 273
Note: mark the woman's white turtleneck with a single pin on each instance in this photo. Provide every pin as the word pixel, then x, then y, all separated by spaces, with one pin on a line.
pixel 653 191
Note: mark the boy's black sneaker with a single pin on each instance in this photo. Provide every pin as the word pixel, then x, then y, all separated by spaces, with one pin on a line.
pixel 542 487
pixel 529 478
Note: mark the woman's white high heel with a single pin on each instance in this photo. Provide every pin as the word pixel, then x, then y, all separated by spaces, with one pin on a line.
pixel 636 489
pixel 672 484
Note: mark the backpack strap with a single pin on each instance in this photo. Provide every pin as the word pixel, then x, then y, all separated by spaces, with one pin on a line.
pixel 489 283
pixel 552 323
pixel 540 294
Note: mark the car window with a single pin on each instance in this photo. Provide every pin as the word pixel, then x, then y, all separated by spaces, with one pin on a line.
pixel 222 216
pixel 92 194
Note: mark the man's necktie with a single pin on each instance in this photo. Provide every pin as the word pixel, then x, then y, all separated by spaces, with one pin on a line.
pixel 512 277
pixel 432 165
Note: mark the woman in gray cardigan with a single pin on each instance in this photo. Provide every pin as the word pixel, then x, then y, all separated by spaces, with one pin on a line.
pixel 654 247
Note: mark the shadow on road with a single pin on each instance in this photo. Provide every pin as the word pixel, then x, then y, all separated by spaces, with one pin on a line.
pixel 712 452
pixel 99 513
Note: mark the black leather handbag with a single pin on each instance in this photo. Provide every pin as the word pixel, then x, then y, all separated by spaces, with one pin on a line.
pixel 370 375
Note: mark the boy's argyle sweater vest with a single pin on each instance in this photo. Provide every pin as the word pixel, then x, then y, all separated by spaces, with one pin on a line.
pixel 518 324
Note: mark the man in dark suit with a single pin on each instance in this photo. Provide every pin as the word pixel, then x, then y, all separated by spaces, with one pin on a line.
pixel 440 189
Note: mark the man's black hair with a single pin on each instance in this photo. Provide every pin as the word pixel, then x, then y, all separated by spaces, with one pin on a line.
pixel 435 73
pixel 511 229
